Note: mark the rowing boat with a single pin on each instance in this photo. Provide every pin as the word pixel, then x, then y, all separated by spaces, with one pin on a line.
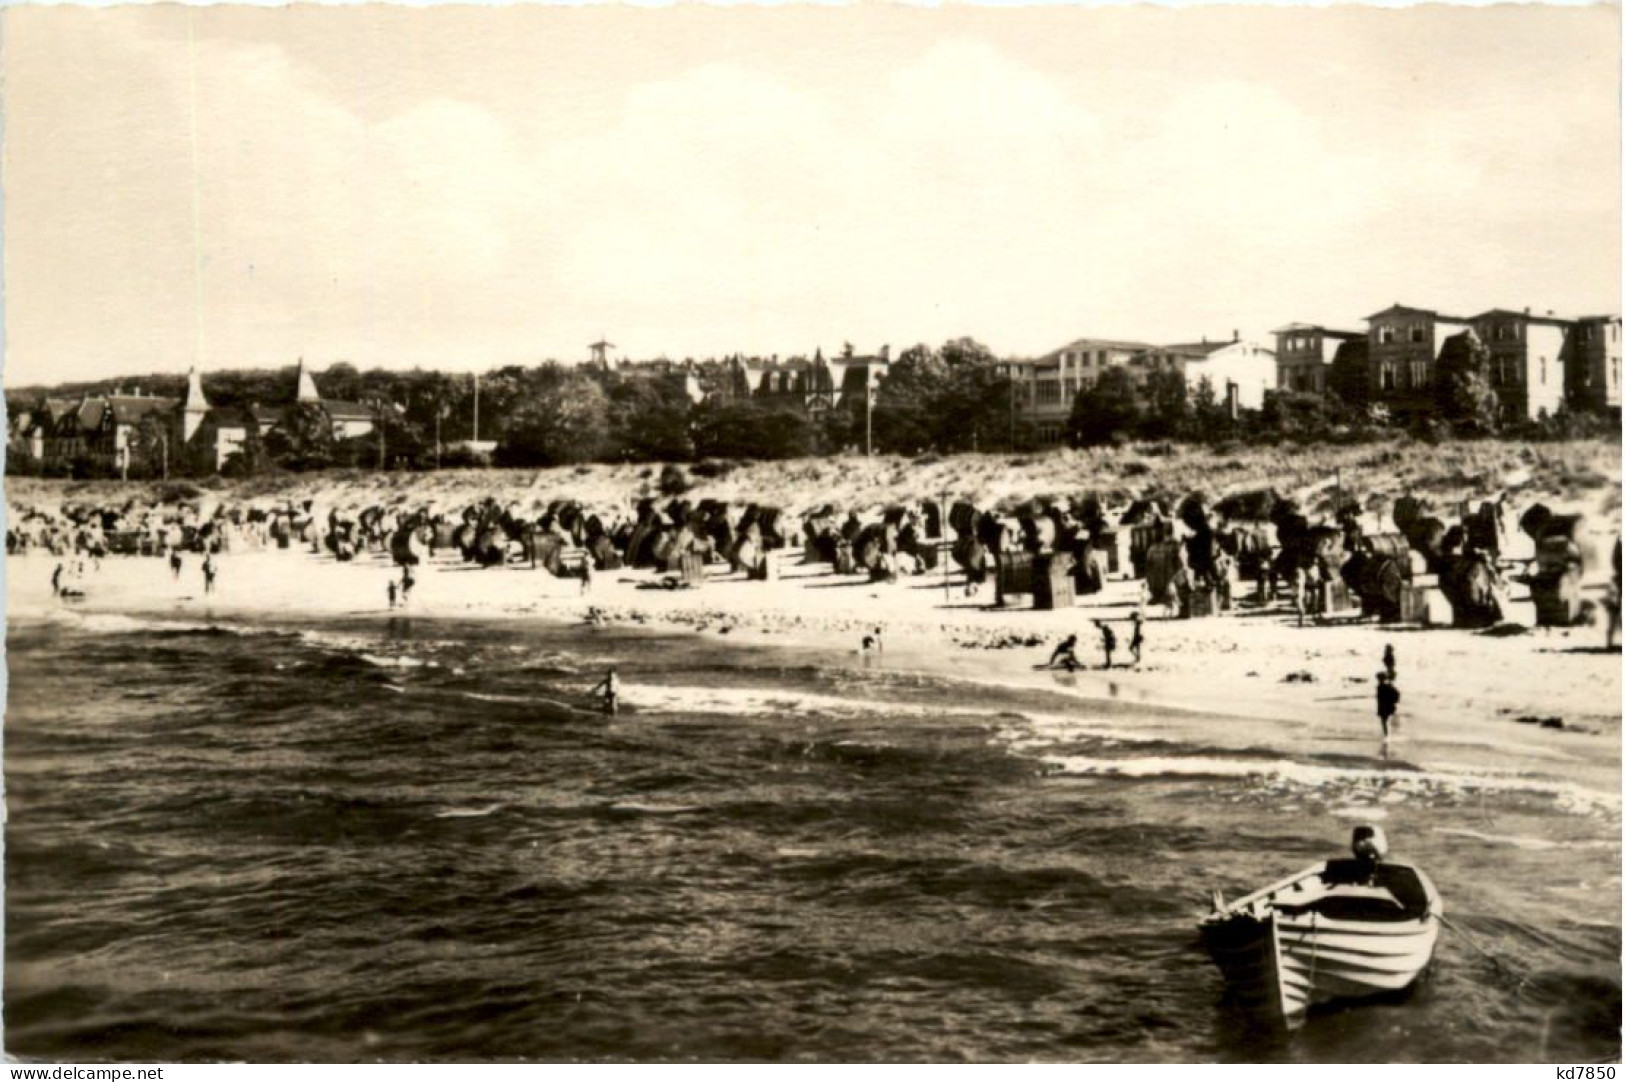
pixel 1342 929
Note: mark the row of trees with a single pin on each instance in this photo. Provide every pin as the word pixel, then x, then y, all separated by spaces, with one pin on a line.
pixel 949 399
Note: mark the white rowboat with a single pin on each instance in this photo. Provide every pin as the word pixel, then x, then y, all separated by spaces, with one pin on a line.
pixel 1343 929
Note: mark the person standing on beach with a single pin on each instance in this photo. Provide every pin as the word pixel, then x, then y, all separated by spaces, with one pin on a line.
pixel 1065 654
pixel 56 581
pixel 586 573
pixel 175 563
pixel 208 573
pixel 610 686
pixel 1387 701
pixel 1136 639
pixel 879 646
pixel 391 592
pixel 1108 640
pixel 1298 585
pixel 406 585
pixel 1388 661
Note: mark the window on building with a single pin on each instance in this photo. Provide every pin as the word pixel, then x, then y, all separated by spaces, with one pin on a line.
pixel 1585 334
pixel 1387 377
pixel 1385 335
pixel 1419 375
pixel 1419 334
pixel 1504 332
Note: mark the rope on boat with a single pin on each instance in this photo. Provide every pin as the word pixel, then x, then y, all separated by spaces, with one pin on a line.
pixel 1519 979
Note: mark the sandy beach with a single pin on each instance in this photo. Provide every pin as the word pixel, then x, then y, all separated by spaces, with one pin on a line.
pixel 1518 697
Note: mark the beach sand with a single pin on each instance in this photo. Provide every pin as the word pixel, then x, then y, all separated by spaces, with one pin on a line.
pixel 1545 700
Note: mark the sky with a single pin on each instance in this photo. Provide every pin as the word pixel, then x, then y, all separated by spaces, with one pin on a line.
pixel 464 187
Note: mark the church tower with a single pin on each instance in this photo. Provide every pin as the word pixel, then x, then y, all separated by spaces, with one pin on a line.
pixel 195 408
pixel 306 391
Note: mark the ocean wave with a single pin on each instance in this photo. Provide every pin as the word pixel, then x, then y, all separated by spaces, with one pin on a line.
pixel 1520 841
pixel 468 813
pixel 115 623
pixel 1566 795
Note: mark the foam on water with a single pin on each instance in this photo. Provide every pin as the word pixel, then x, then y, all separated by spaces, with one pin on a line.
pixel 1565 795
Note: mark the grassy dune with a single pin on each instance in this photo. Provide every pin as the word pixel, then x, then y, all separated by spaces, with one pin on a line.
pixel 1579 475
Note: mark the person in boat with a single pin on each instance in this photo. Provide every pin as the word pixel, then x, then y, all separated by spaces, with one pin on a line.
pixel 1387 701
pixel 1065 654
pixel 1369 846
pixel 610 688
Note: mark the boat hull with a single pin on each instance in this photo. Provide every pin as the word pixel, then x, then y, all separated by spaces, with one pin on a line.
pixel 1279 965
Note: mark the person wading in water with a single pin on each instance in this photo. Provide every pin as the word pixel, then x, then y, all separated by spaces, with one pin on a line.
pixel 610 687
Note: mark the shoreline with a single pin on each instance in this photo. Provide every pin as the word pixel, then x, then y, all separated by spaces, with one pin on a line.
pixel 1249 679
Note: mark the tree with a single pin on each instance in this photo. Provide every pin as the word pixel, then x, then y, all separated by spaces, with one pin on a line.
pixel 649 421
pixel 1350 376
pixel 1105 411
pixel 748 429
pixel 303 439
pixel 149 447
pixel 249 459
pixel 1209 420
pixel 1167 409
pixel 556 420
pixel 904 416
pixel 1462 394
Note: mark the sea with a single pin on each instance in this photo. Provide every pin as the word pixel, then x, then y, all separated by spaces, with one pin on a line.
pixel 417 840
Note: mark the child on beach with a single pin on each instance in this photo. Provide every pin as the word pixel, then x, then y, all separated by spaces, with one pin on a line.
pixel 1137 638
pixel 1387 701
pixel 1065 654
pixel 1108 640
pixel 1388 661
pixel 392 589
pixel 406 585
pixel 175 562
pixel 208 573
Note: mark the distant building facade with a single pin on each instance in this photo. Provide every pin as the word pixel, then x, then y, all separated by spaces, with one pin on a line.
pixel 1304 353
pixel 1528 360
pixel 1045 387
pixel 1593 370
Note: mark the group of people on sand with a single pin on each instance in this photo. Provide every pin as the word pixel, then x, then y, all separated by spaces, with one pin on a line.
pixel 1065 655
